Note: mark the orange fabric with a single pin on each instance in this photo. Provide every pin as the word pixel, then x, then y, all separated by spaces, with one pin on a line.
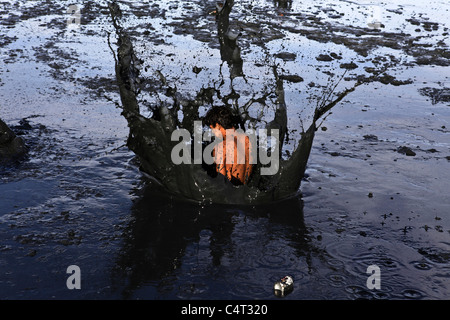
pixel 229 159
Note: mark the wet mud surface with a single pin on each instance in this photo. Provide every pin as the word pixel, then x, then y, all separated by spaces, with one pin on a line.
pixel 374 191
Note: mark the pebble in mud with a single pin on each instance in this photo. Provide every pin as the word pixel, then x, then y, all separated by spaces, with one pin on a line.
pixel 335 56
pixel 406 151
pixel 292 78
pixel 349 66
pixel 286 56
pixel 370 137
pixel 11 146
pixel 324 57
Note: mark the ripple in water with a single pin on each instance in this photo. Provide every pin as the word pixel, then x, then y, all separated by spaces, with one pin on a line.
pixel 412 294
pixel 359 292
pixel 362 292
pixel 276 257
pixel 335 280
pixel 250 284
pixel 336 264
pixel 422 265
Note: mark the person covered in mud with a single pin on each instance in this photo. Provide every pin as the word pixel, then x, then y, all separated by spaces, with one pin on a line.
pixel 232 156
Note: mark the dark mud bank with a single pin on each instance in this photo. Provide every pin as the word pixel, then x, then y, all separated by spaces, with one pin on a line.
pixel 12 147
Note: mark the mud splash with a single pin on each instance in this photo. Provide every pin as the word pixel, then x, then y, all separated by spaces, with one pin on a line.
pixel 150 137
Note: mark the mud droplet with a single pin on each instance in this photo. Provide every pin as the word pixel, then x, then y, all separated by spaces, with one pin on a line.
pixel 196 69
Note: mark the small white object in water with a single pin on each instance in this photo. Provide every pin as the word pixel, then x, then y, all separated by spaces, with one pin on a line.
pixel 284 286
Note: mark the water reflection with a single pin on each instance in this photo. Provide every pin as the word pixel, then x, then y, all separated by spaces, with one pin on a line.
pixel 161 230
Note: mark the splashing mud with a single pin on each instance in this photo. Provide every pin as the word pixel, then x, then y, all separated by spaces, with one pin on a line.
pixel 150 137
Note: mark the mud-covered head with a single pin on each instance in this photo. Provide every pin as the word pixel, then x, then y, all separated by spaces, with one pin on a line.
pixel 222 115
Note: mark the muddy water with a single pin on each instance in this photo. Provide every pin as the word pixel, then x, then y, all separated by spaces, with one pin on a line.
pixel 375 191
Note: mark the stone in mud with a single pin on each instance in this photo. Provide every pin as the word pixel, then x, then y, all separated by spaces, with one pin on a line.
pixel 349 66
pixel 370 137
pixel 414 21
pixel 429 26
pixel 286 56
pixel 324 57
pixel 11 146
pixel 196 69
pixel 335 154
pixel 335 56
pixel 406 151
pixel 388 79
pixel 291 78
